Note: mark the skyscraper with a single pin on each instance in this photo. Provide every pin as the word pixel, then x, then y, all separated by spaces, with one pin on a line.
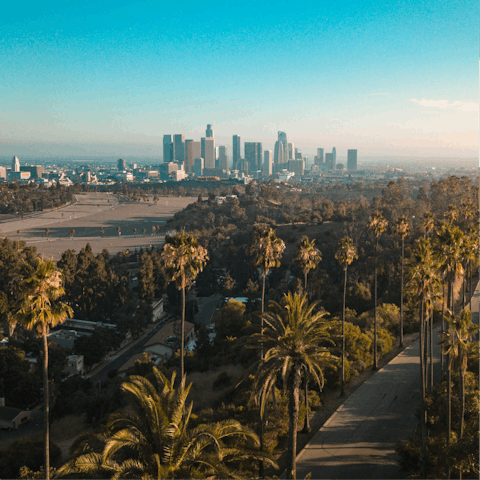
pixel 16 164
pixel 222 157
pixel 192 151
pixel 168 149
pixel 209 133
pixel 267 163
pixel 329 160
pixel 334 153
pixel 122 164
pixel 352 160
pixel 282 137
pixel 319 157
pixel 208 152
pixel 236 152
pixel 291 150
pixel 279 155
pixel 179 141
pixel 253 156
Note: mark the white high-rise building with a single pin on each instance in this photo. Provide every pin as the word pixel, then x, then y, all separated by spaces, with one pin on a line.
pixel 15 164
pixel 267 163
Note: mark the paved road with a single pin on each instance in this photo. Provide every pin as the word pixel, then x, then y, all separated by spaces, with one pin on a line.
pixel 358 441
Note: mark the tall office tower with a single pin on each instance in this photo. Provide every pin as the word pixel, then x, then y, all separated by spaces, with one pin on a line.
pixel 179 142
pixel 279 155
pixel 319 157
pixel 209 133
pixel 222 157
pixel 192 151
pixel 282 137
pixel 236 152
pixel 15 164
pixel 168 149
pixel 352 160
pixel 291 151
pixel 198 167
pixel 122 164
pixel 334 153
pixel 329 160
pixel 298 155
pixel 297 167
pixel 253 156
pixel 208 152
pixel 267 163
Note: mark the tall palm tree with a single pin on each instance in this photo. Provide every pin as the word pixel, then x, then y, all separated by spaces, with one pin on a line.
pixel 183 259
pixel 267 250
pixel 152 439
pixel 454 343
pixel 293 338
pixel 428 223
pixel 40 310
pixel 308 257
pixel 377 223
pixel 345 255
pixel 424 284
pixel 402 229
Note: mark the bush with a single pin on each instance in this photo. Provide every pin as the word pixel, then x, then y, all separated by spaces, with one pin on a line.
pixel 384 341
pixel 223 380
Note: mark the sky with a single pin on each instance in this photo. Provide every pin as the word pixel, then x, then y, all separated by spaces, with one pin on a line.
pixel 390 78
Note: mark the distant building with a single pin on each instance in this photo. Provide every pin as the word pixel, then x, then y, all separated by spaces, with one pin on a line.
pixel 298 154
pixel 36 171
pixel 179 146
pixel 122 164
pixel 236 152
pixel 3 173
pixel 209 132
pixel 208 151
pixel 319 160
pixel 267 163
pixel 329 160
pixel 12 418
pixel 198 166
pixel 290 150
pixel 334 153
pixel 168 149
pixel 165 169
pixel 193 150
pixel 352 160
pixel 15 164
pixel 253 156
pixel 281 150
pixel 297 167
pixel 222 157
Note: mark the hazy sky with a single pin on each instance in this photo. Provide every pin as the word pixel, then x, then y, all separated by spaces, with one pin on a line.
pixel 111 77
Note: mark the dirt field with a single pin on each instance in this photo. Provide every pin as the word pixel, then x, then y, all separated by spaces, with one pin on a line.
pixel 88 215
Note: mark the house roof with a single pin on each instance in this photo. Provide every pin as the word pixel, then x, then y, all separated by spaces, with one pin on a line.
pixel 138 356
pixel 9 413
pixel 167 331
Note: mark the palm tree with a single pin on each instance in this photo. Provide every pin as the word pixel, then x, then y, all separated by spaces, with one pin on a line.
pixel 118 231
pixel 102 231
pixel 455 342
pixel 402 229
pixel 377 223
pixel 428 223
pixel 71 233
pixel 144 231
pixel 40 311
pixel 183 259
pixel 152 228
pixel 152 439
pixel 47 231
pixel 424 284
pixel 293 333
pixel 308 257
pixel 268 250
pixel 134 231
pixel 346 253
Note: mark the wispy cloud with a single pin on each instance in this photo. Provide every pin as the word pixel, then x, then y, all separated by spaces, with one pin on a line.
pixel 447 105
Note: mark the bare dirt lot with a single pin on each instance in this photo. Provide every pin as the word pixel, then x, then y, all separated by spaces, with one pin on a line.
pixel 88 215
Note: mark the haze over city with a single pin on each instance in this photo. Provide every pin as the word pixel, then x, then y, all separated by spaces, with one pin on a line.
pixel 110 79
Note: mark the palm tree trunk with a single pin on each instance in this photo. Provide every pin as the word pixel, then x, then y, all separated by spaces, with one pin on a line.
pixel 182 340
pixel 292 424
pixel 306 424
pixel 449 413
pixel 342 389
pixel 425 351
pixel 422 404
pixel 401 296
pixel 260 430
pixel 442 356
pixel 375 314
pixel 306 282
pixel 471 284
pixel 462 404
pixel 261 470
pixel 46 409
pixel 431 348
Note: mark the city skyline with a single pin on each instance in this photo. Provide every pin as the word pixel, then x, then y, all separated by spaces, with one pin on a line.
pixel 389 80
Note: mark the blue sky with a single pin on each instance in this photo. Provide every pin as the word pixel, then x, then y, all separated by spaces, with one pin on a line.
pixel 386 77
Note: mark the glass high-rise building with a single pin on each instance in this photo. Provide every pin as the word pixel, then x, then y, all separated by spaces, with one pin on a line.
pixel 179 142
pixel 222 157
pixel 352 160
pixel 236 152
pixel 168 149
pixel 253 156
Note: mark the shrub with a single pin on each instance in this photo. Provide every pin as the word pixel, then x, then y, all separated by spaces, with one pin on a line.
pixel 222 380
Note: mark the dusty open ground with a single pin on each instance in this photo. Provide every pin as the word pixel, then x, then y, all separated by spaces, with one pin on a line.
pixel 91 212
